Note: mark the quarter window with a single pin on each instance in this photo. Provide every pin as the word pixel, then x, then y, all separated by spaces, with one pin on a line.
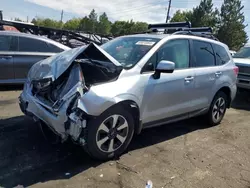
pixel 176 51
pixel 221 54
pixel 54 48
pixel 31 45
pixel 204 54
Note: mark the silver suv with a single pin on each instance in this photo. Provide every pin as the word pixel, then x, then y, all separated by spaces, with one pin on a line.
pixel 101 96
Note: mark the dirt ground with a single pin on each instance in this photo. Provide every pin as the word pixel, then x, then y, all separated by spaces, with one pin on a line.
pixel 184 154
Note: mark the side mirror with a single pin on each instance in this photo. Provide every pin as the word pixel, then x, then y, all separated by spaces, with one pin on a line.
pixel 164 67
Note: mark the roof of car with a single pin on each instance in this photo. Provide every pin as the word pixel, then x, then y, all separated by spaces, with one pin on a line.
pixel 161 36
pixel 150 35
pixel 34 37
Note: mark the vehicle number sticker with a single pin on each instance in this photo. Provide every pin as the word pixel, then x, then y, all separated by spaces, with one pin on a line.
pixel 145 43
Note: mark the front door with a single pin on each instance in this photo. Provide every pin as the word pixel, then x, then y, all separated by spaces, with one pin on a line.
pixel 171 95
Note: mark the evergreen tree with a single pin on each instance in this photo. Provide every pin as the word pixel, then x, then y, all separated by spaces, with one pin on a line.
pixel 232 30
pixel 104 24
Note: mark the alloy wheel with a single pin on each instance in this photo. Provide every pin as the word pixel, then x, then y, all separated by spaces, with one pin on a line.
pixel 218 109
pixel 112 133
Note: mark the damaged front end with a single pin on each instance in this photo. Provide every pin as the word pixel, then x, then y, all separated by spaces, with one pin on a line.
pixel 54 87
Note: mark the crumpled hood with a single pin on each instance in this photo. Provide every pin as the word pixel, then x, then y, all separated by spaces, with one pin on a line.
pixel 242 61
pixel 56 65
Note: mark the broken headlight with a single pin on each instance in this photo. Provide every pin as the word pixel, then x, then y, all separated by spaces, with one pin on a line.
pixel 41 85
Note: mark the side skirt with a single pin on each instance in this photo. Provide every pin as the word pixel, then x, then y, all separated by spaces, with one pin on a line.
pixel 174 118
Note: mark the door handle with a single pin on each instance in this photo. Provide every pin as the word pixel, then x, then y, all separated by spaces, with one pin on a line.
pixel 189 78
pixel 218 73
pixel 5 57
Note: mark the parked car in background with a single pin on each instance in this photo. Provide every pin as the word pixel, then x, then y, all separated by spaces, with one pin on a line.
pixel 232 52
pixel 242 60
pixel 101 96
pixel 19 51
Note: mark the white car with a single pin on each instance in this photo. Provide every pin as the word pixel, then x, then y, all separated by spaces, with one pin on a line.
pixel 242 60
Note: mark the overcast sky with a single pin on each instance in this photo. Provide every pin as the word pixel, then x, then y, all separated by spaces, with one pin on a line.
pixel 151 11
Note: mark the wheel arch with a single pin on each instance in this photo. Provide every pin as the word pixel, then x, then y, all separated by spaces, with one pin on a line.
pixel 227 91
pixel 133 108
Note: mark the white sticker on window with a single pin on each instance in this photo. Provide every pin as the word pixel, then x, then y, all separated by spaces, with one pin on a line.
pixel 145 43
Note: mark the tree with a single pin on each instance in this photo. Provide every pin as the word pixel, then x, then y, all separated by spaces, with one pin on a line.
pixel 204 14
pixel 104 25
pixel 118 28
pixel 18 19
pixel 85 25
pixel 182 16
pixel 201 16
pixel 92 21
pixel 139 27
pixel 232 29
pixel 47 22
pixel 73 24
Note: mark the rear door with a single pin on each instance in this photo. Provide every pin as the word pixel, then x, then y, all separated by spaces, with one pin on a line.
pixel 7 48
pixel 206 73
pixel 30 51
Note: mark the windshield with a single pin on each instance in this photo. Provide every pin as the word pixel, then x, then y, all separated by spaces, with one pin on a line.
pixel 129 50
pixel 243 53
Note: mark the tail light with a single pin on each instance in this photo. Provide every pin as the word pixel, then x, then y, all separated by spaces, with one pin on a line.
pixel 236 70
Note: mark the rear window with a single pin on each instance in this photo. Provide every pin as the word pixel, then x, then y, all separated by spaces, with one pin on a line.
pixel 54 49
pixel 204 54
pixel 221 54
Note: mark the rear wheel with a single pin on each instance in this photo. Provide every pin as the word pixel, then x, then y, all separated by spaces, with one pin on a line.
pixel 217 109
pixel 109 135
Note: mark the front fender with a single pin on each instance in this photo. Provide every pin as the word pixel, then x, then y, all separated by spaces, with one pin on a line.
pixel 94 105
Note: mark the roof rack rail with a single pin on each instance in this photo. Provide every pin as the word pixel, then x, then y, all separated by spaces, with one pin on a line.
pixel 208 35
pixel 199 29
pixel 170 25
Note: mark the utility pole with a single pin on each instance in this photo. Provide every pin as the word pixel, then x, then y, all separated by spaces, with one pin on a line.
pixel 61 15
pixel 61 19
pixel 169 6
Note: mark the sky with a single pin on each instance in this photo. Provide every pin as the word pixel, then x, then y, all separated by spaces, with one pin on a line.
pixel 151 11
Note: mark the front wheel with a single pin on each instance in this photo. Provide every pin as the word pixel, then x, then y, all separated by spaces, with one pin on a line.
pixel 217 109
pixel 109 134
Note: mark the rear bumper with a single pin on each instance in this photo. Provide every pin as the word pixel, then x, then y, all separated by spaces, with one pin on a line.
pixel 233 92
pixel 243 82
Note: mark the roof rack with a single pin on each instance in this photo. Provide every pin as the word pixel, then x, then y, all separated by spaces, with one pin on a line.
pixel 183 28
pixel 173 25
pixel 205 32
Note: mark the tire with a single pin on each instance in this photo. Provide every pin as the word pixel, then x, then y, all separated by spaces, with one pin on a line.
pixel 217 109
pixel 101 131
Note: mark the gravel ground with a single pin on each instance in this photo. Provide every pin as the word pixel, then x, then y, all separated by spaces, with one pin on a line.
pixel 184 154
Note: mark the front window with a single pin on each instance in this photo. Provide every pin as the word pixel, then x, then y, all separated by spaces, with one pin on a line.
pixel 129 50
pixel 243 53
